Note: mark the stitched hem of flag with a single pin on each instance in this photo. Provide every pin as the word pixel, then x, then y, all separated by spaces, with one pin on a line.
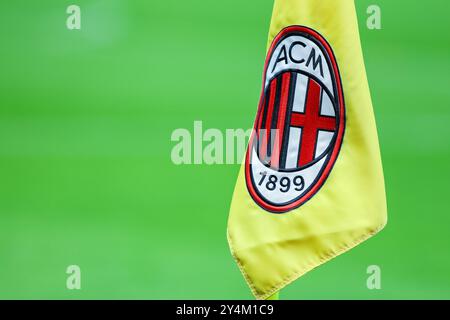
pixel 327 257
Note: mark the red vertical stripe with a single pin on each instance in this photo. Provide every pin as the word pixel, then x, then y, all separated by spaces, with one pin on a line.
pixel 266 126
pixel 275 158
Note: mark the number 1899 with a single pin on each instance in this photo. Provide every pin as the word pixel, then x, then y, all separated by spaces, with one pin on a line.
pixel 284 184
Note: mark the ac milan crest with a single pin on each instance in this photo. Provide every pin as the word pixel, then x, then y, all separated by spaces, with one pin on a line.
pixel 300 122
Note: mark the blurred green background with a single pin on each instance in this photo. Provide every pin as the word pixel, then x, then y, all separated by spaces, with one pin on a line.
pixel 86 118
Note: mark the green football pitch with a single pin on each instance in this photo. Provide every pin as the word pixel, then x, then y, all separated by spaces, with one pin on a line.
pixel 86 176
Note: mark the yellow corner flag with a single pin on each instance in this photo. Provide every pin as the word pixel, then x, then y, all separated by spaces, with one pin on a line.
pixel 312 183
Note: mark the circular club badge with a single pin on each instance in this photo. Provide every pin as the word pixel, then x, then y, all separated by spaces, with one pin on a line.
pixel 300 123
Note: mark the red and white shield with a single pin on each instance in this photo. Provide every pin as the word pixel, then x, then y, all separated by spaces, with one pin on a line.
pixel 300 121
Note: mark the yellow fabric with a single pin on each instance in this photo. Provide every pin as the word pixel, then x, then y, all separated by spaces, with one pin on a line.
pixel 272 250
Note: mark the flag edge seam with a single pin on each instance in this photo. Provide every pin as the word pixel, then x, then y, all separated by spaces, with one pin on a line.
pixel 327 257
